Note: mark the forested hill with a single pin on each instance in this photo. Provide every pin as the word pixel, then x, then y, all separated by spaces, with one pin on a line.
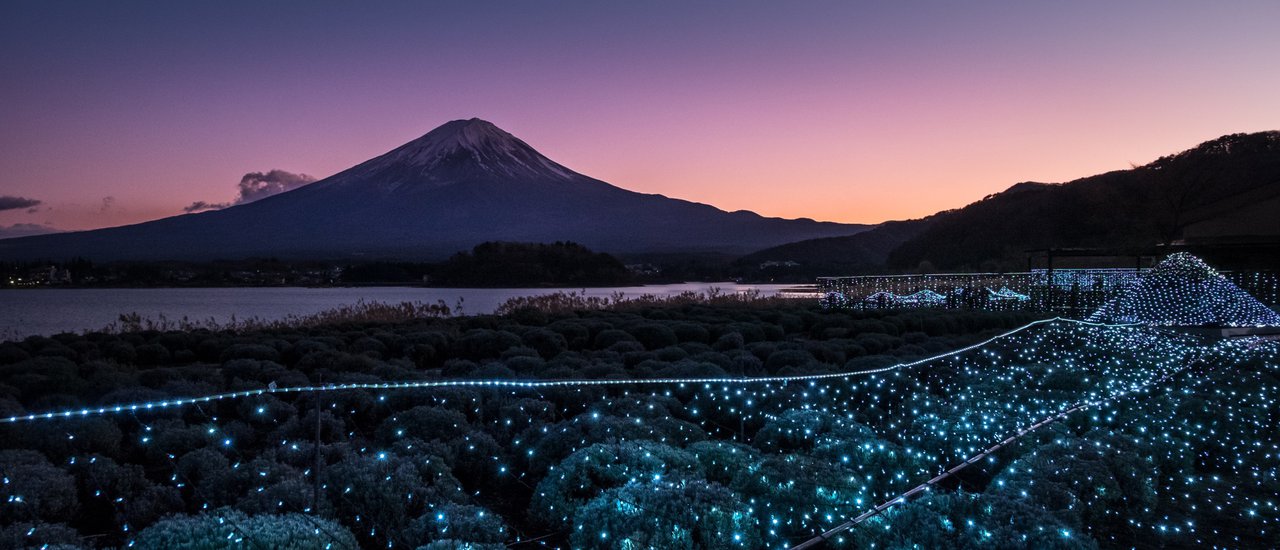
pixel 863 253
pixel 531 264
pixel 1210 191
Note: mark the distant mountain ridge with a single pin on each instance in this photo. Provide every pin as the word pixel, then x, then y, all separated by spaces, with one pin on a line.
pixel 1162 202
pixel 863 253
pixel 461 184
pixel 1226 189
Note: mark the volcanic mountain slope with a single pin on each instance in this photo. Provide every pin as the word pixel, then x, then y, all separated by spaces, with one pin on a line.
pixel 463 183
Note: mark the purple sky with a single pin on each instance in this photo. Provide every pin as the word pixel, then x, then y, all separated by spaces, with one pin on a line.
pixel 118 112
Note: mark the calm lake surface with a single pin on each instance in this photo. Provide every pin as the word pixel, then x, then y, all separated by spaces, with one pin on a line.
pixel 49 311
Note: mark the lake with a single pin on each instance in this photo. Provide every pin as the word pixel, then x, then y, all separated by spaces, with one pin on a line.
pixel 48 311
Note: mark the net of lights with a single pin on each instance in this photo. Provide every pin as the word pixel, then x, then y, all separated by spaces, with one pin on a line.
pixel 1067 292
pixel 1183 291
pixel 761 462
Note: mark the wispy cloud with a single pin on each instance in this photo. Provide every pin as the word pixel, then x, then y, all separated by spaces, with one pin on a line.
pixel 9 202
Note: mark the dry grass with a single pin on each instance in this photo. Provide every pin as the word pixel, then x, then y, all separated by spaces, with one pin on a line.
pixel 361 312
pixel 569 302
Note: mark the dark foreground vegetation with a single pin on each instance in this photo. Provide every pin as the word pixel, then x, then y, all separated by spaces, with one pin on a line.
pixel 698 465
pixel 408 467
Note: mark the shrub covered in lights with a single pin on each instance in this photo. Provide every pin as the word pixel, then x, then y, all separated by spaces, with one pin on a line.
pixel 637 429
pixel 1183 291
pixel 231 529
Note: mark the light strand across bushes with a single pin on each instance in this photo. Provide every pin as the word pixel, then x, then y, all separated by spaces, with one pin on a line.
pixel 177 402
pixel 863 439
pixel 1022 432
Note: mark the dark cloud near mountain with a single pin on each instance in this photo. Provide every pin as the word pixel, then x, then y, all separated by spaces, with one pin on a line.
pixel 25 230
pixel 256 186
pixel 200 206
pixel 9 202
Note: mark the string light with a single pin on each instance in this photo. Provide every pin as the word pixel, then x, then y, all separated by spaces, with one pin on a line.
pixel 174 403
pixel 1065 291
pixel 1068 292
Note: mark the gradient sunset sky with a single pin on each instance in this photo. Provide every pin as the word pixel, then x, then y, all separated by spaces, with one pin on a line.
pixel 119 112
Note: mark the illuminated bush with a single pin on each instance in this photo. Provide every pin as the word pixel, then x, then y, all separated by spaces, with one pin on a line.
pixel 585 474
pixel 425 423
pixel 966 520
pixel 451 544
pixel 34 489
pixel 386 491
pixel 231 528
pixel 121 494
pixel 666 514
pixel 45 536
pixel 459 526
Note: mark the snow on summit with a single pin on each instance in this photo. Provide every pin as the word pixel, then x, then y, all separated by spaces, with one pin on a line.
pixel 456 152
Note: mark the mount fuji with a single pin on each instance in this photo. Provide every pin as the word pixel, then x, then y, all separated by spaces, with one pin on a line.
pixel 463 183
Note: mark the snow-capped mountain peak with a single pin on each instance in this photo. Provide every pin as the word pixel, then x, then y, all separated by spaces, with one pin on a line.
pixel 457 152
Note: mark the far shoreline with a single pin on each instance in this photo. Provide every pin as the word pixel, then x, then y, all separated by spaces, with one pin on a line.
pixel 797 286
